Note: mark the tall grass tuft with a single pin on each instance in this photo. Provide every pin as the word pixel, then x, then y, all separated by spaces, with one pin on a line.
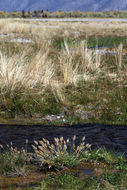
pixel 42 70
pixel 16 73
pixel 76 62
pixel 60 154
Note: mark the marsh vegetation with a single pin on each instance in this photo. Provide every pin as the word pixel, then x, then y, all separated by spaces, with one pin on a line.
pixel 63 164
pixel 63 14
pixel 56 73
pixel 59 71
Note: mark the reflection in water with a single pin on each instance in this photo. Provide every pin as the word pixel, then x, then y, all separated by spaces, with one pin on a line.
pixel 86 172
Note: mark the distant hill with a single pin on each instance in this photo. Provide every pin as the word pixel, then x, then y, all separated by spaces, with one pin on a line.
pixel 65 5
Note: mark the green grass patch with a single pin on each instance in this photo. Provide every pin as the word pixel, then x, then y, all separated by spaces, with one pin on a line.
pixel 92 42
pixel 107 41
pixel 72 182
pixel 103 101
pixel 26 103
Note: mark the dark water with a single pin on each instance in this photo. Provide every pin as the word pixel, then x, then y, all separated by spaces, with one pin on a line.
pixel 109 136
pixel 101 47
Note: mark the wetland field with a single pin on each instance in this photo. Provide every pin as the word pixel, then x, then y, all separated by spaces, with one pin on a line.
pixel 57 75
pixel 58 72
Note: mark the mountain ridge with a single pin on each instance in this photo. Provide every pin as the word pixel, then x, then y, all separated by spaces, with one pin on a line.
pixel 65 5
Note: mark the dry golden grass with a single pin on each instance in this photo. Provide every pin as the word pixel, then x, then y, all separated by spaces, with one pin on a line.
pixel 16 73
pixel 65 67
pixel 46 30
pixel 42 71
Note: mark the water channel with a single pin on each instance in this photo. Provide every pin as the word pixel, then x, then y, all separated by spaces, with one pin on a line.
pixel 112 137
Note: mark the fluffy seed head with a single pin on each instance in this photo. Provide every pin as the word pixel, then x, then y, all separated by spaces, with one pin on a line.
pixel 74 137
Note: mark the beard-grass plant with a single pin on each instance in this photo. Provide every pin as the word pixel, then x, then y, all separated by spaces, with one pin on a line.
pixel 109 170
pixel 63 153
pixel 13 161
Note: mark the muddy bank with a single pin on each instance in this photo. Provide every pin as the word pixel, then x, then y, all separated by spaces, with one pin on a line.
pixel 110 136
pixel 21 182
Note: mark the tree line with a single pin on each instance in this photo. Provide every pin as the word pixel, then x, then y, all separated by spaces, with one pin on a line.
pixel 35 13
